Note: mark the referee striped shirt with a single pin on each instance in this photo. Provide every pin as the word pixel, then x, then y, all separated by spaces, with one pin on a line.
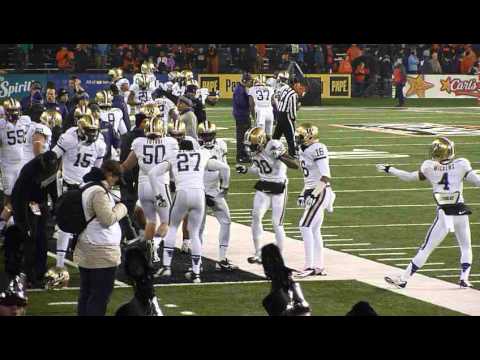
pixel 287 102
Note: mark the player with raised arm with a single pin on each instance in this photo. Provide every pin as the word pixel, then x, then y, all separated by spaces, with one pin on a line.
pixel 260 97
pixel 270 162
pixel 141 92
pixel 446 174
pixel 316 196
pixel 188 167
pixel 148 152
pixel 81 148
pixel 207 133
pixel 13 130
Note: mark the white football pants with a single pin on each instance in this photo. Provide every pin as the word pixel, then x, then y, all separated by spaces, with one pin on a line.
pixel 222 214
pixel 264 119
pixel 147 202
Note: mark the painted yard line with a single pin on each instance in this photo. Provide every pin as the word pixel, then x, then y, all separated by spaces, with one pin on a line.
pixel 383 254
pixel 383 225
pixel 62 303
pixel 406 248
pixel 406 164
pixel 336 178
pixel 436 263
pixel 394 259
pixel 373 206
pixel 187 313
pixel 456 275
pixel 392 145
pixel 362 190
pixel 170 305
pixel 72 264
pixel 352 244
pixel 475 281
pixel 432 270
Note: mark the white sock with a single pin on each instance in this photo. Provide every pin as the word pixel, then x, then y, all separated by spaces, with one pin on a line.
pixel 222 251
pixel 464 275
pixel 318 251
pixel 307 237
pixel 62 246
pixel 156 241
pixel 279 236
pixel 409 271
pixel 196 255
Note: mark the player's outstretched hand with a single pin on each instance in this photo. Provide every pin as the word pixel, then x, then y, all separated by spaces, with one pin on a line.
pixel 160 201
pixel 383 168
pixel 310 200
pixel 241 169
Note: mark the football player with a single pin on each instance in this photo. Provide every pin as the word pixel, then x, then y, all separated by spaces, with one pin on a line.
pixel 53 120
pixel 188 167
pixel 260 97
pixel 270 162
pixel 37 139
pixel 446 174
pixel 207 133
pixel 141 92
pixel 111 123
pixel 148 152
pixel 81 148
pixel 115 75
pixel 147 69
pixel 13 130
pixel 316 196
pixel 167 110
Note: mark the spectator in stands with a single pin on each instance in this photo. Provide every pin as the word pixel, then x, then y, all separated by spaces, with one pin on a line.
pixel 201 60
pixel 345 66
pixel 189 56
pixel 23 51
pixel 162 61
pixel 62 100
pixel 171 61
pixel 101 51
pixel 413 62
pixel 51 100
pixel 386 71
pixel 330 59
pixel 319 58
pixel 65 59
pixel 468 60
pixel 354 52
pixel 361 71
pixel 399 80
pixel 26 102
pixel 252 59
pixel 82 58
pixel 212 60
pixel 434 64
pixel 130 64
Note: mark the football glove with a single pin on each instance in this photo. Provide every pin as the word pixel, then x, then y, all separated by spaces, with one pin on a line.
pixel 241 169
pixel 310 200
pixel 301 201
pixel 383 168
pixel 160 202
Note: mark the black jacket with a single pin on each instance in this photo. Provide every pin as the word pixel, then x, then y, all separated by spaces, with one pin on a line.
pixel 131 176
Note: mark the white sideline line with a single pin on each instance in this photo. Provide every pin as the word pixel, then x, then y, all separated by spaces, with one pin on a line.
pixel 433 263
pixel 383 254
pixel 170 305
pixel 456 275
pixel 72 264
pixel 62 303
pixel 335 178
pixel 384 225
pixel 408 248
pixel 353 244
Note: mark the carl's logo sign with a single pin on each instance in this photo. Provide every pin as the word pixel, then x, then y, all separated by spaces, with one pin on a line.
pixel 212 83
pixel 469 87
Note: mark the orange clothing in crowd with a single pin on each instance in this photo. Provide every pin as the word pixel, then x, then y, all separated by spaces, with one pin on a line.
pixel 262 49
pixel 398 76
pixel 360 72
pixel 353 52
pixel 467 62
pixel 64 58
pixel 345 67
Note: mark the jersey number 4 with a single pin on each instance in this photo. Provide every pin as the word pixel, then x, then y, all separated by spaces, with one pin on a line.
pixel 183 165
pixel 444 181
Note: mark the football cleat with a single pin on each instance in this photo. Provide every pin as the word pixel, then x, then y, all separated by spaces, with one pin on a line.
pixel 164 271
pixel 225 265
pixel 465 284
pixel 186 247
pixel 311 272
pixel 56 278
pixel 397 282
pixel 195 278
pixel 254 260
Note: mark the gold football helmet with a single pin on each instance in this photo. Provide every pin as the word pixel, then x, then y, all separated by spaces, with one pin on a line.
pixel 207 132
pixel 143 81
pixel 12 109
pixel 442 150
pixel 283 76
pixel 150 109
pixel 187 74
pixel 255 139
pixel 104 99
pixel 173 75
pixel 51 118
pixel 116 74
pixel 81 111
pixel 57 278
pixel 88 128
pixel 176 129
pixel 154 127
pixel 259 80
pixel 306 134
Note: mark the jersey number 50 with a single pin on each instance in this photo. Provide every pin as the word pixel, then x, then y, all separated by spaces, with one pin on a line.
pixel 149 157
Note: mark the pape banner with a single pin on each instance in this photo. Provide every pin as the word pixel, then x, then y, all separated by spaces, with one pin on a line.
pixel 448 86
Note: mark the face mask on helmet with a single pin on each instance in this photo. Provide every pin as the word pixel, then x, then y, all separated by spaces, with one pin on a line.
pixel 207 138
pixel 91 135
pixel 12 115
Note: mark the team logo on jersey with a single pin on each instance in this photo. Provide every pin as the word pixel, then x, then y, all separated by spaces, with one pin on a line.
pixel 419 129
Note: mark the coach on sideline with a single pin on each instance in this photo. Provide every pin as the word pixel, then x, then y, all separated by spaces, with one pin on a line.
pixel 287 112
pixel 97 252
pixel 241 113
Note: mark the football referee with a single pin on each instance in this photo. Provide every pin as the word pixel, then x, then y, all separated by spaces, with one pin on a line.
pixel 287 112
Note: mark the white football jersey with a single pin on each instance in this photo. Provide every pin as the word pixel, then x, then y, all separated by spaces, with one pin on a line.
pixel 142 96
pixel 212 177
pixel 36 128
pixel 315 163
pixel 164 105
pixel 262 96
pixel 150 77
pixel 447 179
pixel 188 168
pixel 12 139
pixel 151 152
pixel 178 90
pixel 114 117
pixel 78 157
pixel 270 168
pixel 202 94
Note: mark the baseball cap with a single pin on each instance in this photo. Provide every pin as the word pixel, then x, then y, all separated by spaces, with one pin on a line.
pixel 185 100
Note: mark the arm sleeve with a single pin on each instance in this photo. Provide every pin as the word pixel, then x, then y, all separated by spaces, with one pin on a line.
pixel 405 175
pixel 106 215
pixel 473 178
pixel 99 160
pixel 155 173
pixel 60 149
pixel 224 169
pixel 122 128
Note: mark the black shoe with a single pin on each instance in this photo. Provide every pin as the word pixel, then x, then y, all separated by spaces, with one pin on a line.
pixel 254 260
pixel 225 265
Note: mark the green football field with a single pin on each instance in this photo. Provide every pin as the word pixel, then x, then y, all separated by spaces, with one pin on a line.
pixel 378 216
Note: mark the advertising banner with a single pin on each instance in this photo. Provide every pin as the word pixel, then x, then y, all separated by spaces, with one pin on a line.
pixel 18 85
pixel 446 86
